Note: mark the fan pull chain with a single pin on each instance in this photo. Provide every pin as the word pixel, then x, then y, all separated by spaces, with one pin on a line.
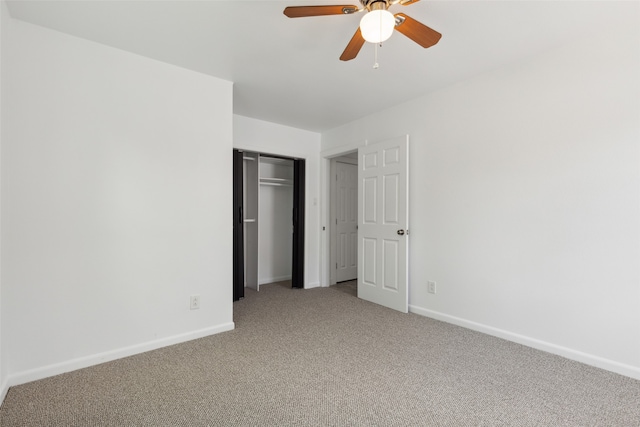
pixel 375 60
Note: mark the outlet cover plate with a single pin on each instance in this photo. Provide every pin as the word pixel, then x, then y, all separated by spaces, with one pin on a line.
pixel 195 302
pixel 431 287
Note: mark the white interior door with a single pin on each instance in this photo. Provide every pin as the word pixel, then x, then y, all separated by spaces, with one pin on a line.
pixel 383 219
pixel 346 221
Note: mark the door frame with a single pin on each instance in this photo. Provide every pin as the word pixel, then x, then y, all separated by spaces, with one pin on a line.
pixel 326 276
pixel 298 260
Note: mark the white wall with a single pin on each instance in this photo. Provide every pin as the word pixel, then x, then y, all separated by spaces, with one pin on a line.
pixel 260 136
pixel 275 238
pixel 525 200
pixel 113 169
pixel 3 371
pixel 275 224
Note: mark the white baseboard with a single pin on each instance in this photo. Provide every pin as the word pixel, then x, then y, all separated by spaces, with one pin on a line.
pixel 589 359
pixel 96 359
pixel 312 285
pixel 267 280
pixel 4 388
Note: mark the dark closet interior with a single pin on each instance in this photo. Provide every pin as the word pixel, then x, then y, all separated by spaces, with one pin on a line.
pixel 280 181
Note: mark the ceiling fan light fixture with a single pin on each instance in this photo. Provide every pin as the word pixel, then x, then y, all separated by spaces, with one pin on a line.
pixel 377 26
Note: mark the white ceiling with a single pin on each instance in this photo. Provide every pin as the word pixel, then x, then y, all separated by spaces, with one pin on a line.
pixel 287 71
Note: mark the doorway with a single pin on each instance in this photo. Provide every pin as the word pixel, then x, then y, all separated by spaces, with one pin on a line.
pixel 383 218
pixel 344 217
pixel 268 220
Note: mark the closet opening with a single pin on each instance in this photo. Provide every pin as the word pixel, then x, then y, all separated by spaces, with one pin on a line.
pixel 268 227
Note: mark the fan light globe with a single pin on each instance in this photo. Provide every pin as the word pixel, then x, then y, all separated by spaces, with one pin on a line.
pixel 377 26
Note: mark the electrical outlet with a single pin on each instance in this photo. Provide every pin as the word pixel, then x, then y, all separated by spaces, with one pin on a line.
pixel 195 302
pixel 431 287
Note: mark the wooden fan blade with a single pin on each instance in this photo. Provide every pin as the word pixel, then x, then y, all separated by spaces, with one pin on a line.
pixel 302 11
pixel 416 31
pixel 354 46
pixel 408 2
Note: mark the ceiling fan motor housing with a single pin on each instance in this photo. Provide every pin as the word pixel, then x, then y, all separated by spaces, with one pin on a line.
pixel 371 5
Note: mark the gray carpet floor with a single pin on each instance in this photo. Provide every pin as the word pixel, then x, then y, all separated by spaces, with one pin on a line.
pixel 322 357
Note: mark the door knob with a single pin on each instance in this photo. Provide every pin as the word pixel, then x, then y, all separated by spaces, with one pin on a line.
pixel 401 232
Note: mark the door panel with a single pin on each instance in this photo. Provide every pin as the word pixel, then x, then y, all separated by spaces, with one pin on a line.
pixel 297 266
pixel 370 193
pixel 390 264
pixel 390 195
pixel 238 227
pixel 370 264
pixel 383 217
pixel 346 221
pixel 250 211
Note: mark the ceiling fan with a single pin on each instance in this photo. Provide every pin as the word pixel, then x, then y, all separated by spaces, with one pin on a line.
pixel 376 26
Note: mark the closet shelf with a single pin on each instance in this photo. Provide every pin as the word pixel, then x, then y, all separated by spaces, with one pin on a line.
pixel 283 182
